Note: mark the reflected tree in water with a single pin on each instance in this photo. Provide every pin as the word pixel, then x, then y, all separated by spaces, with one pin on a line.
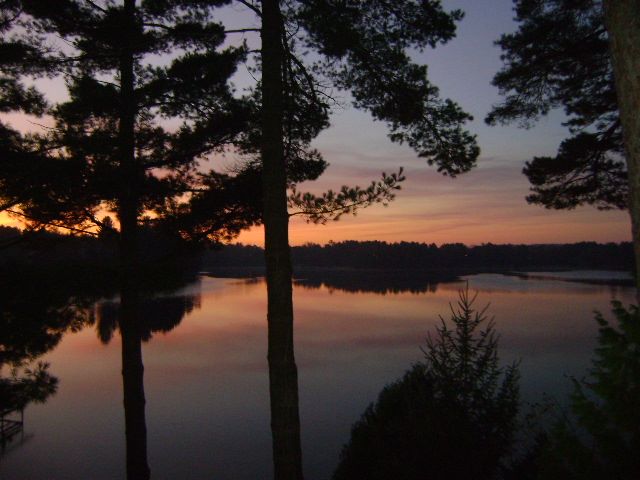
pixel 26 385
pixel 374 281
pixel 34 317
pixel 23 386
pixel 138 316
pixel 157 315
pixel 36 312
pixel 452 416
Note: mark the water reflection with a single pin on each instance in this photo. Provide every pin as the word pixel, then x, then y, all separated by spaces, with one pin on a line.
pixel 32 324
pixel 206 383
pixel 381 282
pixel 36 314
pixel 22 387
pixel 156 315
pixel 139 313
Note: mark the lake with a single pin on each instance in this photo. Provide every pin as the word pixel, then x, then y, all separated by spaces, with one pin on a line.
pixel 206 369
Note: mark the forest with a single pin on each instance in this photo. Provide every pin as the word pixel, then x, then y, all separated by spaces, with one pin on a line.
pixel 454 257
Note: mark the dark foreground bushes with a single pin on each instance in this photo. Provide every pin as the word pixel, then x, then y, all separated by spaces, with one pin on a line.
pixel 451 416
pixel 455 414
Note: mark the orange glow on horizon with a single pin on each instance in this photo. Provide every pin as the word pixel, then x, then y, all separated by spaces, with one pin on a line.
pixel 559 227
pixel 545 227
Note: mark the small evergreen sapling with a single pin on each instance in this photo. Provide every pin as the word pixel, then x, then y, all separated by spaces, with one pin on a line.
pixel 451 416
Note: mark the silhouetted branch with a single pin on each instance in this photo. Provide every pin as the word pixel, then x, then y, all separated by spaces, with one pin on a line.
pixel 242 30
pixel 53 224
pixel 252 7
pixel 96 6
pixel 332 205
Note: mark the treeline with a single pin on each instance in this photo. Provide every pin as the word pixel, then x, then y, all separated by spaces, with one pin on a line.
pixel 40 252
pixel 41 249
pixel 423 256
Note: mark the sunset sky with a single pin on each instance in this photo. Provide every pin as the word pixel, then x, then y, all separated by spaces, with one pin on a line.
pixel 485 205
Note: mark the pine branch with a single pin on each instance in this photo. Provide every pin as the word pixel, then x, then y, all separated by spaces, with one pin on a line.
pixel 53 224
pixel 251 7
pixel 331 205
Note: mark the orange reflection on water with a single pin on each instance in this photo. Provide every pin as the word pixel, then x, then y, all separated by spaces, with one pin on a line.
pixel 207 387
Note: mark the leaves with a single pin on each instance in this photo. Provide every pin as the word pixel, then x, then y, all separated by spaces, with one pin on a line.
pixel 366 52
pixel 332 205
pixel 583 172
pixel 559 58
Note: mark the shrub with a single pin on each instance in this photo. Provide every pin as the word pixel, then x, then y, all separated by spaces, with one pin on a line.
pixel 453 415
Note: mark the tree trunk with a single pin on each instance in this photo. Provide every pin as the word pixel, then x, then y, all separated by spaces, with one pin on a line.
pixel 622 18
pixel 283 375
pixel 128 208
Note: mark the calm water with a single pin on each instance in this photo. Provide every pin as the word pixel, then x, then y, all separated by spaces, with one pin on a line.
pixel 206 379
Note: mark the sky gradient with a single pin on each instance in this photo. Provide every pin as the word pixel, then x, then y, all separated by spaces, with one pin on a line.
pixel 485 205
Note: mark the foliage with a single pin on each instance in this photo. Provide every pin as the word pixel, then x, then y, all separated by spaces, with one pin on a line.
pixel 449 258
pixel 20 55
pixel 365 51
pixel 559 57
pixel 67 176
pixel 451 416
pixel 602 436
pixel 31 385
pixel 332 205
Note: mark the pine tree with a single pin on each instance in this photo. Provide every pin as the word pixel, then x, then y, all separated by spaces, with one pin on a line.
pixel 622 18
pixel 109 149
pixel 20 57
pixel 363 49
pixel 581 56
pixel 451 416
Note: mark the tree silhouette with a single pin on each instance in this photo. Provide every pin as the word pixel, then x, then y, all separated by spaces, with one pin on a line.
pixel 110 128
pixel 20 56
pixel 622 18
pixel 108 149
pixel 559 57
pixel 452 416
pixel 362 50
pixel 447 260
pixel 570 54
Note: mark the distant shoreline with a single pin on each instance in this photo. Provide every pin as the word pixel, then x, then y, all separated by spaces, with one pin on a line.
pixel 315 274
pixel 429 260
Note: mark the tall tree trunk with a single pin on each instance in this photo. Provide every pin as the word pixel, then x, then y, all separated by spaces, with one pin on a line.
pixel 283 374
pixel 622 18
pixel 128 207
